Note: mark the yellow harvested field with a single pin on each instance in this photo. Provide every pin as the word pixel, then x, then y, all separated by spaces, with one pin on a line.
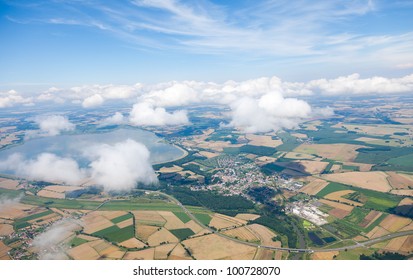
pixel 242 233
pixel 337 205
pixel 132 243
pixel 3 250
pixel 62 189
pixel 335 167
pixel 406 201
pixel 51 194
pixel 264 160
pixel 374 180
pixel 172 169
pixel 264 234
pixel 87 237
pixel 179 253
pixel 381 130
pixel 202 232
pixel 314 187
pixel 247 217
pixel 162 235
pixel 293 155
pixel 125 223
pixel 6 229
pixel 399 182
pixel 313 167
pixel 214 247
pixel 15 211
pixel 394 223
pixel 111 214
pixel 161 252
pixel 311 125
pixel 407 246
pixel 192 225
pixel 340 152
pixel 149 218
pixel 339 197
pixel 147 254
pixel 262 140
pixel 263 254
pixel 93 222
pixel 115 255
pixel 221 221
pixel 396 243
pixel 299 135
pixel 363 167
pixel 324 255
pixel 144 231
pixel 378 231
pixel 83 252
pixel 209 154
pixel 172 221
pixel 9 184
pixel 402 192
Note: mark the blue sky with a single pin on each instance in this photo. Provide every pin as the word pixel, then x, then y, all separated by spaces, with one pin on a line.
pixel 67 43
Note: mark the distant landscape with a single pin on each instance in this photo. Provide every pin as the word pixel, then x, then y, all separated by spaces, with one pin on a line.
pixel 336 187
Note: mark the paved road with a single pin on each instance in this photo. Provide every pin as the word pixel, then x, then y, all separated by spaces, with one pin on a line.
pixel 301 250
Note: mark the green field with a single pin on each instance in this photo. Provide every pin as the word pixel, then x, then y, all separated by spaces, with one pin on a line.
pixel 357 215
pixel 203 218
pixel 35 216
pixel 182 233
pixel 372 199
pixel 116 234
pixel 122 218
pixel 77 241
pixel 182 216
pixel 332 187
pixel 403 161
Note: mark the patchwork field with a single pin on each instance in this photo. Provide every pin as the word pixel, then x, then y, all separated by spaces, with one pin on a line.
pixel 399 181
pixel 214 247
pixel 314 187
pixel 242 233
pixel 393 223
pixel 340 152
pixel 262 140
pixel 338 196
pixel 220 221
pixel 374 180
pixel 339 210
pixel 9 184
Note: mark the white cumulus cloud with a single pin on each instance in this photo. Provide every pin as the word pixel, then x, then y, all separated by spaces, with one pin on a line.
pixel 270 112
pixel 145 113
pixel 93 101
pixel 120 166
pixel 52 125
pixel 116 119
pixel 11 98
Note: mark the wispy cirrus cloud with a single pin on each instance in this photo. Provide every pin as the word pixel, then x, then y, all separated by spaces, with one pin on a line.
pixel 263 28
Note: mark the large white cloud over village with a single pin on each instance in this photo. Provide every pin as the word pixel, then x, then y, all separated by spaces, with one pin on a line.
pixel 52 243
